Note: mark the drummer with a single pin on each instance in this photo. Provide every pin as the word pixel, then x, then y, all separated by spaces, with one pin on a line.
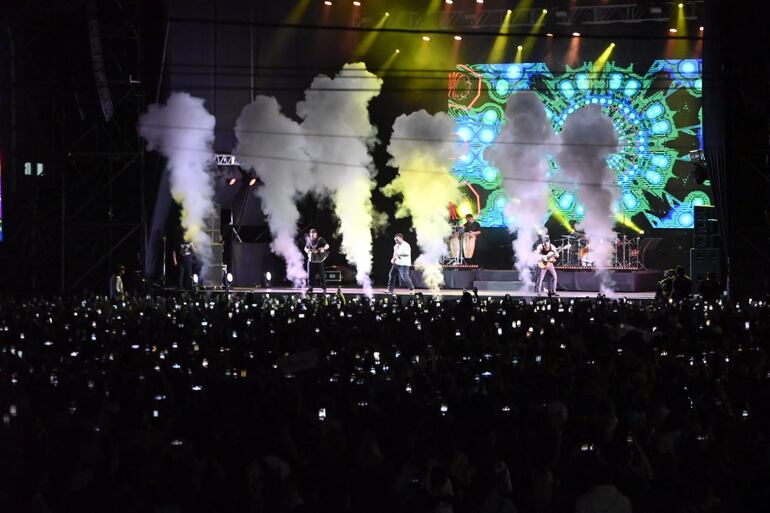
pixel 471 230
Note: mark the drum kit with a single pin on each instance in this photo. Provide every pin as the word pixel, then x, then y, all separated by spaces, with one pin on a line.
pixel 624 250
pixel 462 245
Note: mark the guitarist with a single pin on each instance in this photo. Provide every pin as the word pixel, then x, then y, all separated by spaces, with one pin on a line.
pixel 316 248
pixel 548 255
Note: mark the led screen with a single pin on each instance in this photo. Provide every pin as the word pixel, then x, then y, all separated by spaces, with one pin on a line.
pixel 657 116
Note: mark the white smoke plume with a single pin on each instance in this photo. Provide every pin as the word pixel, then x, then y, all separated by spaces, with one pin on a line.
pixel 272 145
pixel 183 131
pixel 338 137
pixel 519 153
pixel 587 139
pixel 422 148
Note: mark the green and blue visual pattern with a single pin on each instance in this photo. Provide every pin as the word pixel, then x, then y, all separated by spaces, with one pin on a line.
pixel 657 116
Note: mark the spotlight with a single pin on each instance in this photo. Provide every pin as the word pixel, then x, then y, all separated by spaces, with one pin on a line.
pixel 458 38
pixel 672 30
pixel 701 29
pixel 549 34
pixel 545 11
pixel 387 14
pixel 479 1
pixel 229 277
pixel 681 5
pixel 450 2
pixel 231 181
pixel 196 279
pixel 357 3
pixel 576 34
pixel 398 51
pixel 509 11
pixel 268 279
pixel 519 47
pixel 612 45
pixel 253 181
pixel 327 2
pixel 425 38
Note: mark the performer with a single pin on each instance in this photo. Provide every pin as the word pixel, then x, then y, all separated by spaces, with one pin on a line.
pixel 548 255
pixel 471 231
pixel 454 217
pixel 402 261
pixel 186 255
pixel 317 250
pixel 117 290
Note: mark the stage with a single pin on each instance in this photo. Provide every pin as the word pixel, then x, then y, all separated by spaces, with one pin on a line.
pixel 444 294
pixel 580 280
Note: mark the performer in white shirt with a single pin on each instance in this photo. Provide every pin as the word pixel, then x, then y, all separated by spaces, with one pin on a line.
pixel 117 291
pixel 402 261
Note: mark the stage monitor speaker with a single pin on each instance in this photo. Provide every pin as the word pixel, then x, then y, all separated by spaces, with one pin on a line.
pixel 703 261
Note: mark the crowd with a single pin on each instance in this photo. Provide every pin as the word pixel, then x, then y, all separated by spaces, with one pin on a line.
pixel 346 404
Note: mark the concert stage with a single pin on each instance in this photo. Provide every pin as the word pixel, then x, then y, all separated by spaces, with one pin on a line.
pixel 570 280
pixel 445 293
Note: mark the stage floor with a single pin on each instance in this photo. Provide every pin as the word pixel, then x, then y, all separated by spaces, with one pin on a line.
pixel 449 293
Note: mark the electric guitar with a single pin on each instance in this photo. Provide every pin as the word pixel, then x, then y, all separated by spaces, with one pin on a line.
pixel 317 256
pixel 551 256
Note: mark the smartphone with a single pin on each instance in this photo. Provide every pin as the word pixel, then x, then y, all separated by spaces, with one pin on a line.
pixel 322 414
pixel 587 447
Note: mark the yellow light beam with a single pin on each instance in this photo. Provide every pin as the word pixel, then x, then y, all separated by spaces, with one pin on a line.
pixel 297 12
pixel 519 53
pixel 530 40
pixel 368 41
pixel 497 53
pixel 389 62
pixel 556 214
pixel 628 223
pixel 600 62
pixel 682 45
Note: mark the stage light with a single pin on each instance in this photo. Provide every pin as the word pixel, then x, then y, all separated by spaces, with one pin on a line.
pixel 253 181
pixel 327 2
pixel 576 34
pixel 479 1
pixel 229 277
pixel 425 38
pixel 387 13
pixel 549 34
pixel 497 52
pixel 519 47
pixel 508 11
pixel 545 11
pixel 231 181
pixel 398 51
pixel 681 5
pixel 196 279
pixel 602 60
pixel 458 38
pixel 701 29
pixel 357 3
pixel 672 30
pixel 268 279
pixel 450 2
